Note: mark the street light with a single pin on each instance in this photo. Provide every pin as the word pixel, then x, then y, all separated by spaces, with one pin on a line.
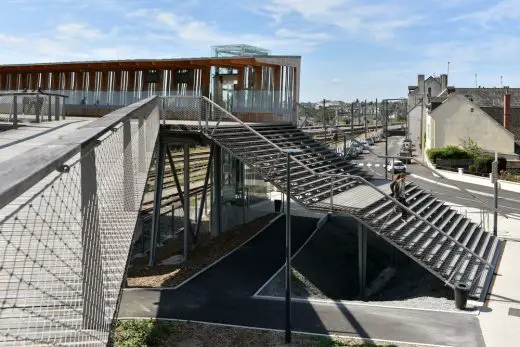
pixel 385 102
pixel 289 152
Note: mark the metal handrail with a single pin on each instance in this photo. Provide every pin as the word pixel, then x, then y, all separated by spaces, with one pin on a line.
pixel 343 177
pixel 20 173
pixel 490 208
pixel 33 93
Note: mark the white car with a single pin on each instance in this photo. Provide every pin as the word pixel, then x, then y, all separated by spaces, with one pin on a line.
pixel 396 166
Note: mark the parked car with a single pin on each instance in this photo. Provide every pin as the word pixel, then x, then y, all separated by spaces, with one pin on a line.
pixel 405 153
pixel 370 141
pixel 396 166
pixel 358 148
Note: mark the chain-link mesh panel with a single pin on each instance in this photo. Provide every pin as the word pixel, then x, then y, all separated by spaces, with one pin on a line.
pixel 65 241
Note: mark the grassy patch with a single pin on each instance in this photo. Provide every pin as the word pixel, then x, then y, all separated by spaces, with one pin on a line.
pixel 137 333
pixel 133 333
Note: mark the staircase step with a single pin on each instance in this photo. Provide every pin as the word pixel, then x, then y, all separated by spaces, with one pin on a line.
pixel 323 195
pixel 433 234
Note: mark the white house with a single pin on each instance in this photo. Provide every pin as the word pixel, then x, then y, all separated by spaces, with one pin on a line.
pixel 451 120
pixel 418 99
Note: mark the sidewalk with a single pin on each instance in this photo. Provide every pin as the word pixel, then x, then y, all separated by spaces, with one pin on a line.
pixel 499 327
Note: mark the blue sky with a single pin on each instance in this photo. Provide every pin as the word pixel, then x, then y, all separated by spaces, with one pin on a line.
pixel 350 48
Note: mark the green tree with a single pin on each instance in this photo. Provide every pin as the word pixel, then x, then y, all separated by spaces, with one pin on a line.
pixel 472 148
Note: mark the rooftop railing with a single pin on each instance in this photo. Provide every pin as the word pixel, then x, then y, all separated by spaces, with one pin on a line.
pixel 31 107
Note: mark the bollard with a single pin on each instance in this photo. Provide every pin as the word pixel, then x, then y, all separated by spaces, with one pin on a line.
pixel 461 295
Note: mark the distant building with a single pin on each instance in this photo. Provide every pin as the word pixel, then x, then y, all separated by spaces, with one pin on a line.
pixel 418 97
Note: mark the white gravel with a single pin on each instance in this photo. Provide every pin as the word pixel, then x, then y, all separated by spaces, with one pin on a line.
pixel 304 289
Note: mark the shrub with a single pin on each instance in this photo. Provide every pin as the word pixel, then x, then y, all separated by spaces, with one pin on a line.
pixel 449 152
pixel 472 169
pixel 483 164
pixel 507 176
pixel 472 148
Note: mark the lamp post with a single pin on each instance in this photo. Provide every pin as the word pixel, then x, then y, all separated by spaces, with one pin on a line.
pixel 385 102
pixel 289 152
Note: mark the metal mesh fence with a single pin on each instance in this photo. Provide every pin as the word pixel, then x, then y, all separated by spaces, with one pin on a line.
pixel 23 108
pixel 65 241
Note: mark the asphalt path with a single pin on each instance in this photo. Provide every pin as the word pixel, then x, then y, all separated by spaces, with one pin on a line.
pixel 481 196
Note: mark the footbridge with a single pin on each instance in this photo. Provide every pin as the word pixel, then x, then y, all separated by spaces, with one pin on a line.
pixel 69 212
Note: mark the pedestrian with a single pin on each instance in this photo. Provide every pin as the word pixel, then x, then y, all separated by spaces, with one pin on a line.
pixel 398 187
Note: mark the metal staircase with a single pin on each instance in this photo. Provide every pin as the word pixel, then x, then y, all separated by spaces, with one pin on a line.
pixel 434 235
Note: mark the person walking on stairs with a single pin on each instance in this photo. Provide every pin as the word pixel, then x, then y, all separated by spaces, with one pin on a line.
pixel 398 187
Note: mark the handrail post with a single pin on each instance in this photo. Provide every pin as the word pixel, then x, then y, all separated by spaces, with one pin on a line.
pixel 15 112
pixel 91 258
pixel 56 107
pixel 331 195
pixel 49 116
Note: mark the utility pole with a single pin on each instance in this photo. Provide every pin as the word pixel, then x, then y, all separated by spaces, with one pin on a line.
pixel 376 114
pixel 359 112
pixel 407 124
pixel 386 137
pixel 365 112
pixel 324 115
pixel 352 119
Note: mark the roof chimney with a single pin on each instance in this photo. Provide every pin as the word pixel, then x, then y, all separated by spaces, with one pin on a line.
pixel 420 83
pixel 507 109
pixel 444 82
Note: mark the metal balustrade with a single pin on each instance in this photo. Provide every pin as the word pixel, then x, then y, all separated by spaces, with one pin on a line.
pixel 16 108
pixel 329 183
pixel 68 210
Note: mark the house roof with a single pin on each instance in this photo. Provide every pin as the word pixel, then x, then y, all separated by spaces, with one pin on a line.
pixel 497 113
pixel 488 97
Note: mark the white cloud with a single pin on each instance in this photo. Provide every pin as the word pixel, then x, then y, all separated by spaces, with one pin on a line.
pixel 377 21
pixel 503 10
pixel 79 31
pixel 293 34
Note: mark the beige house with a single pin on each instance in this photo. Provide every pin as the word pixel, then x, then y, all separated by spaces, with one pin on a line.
pixel 452 120
pixel 418 98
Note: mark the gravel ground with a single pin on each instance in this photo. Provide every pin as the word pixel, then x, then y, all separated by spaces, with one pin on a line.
pixel 158 333
pixel 330 260
pixel 206 252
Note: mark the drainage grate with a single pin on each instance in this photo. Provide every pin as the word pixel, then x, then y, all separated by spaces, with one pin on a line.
pixel 514 312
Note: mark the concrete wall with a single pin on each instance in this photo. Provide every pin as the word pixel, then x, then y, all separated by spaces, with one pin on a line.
pixel 458 118
pixel 414 123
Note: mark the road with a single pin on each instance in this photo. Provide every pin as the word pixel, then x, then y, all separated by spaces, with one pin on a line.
pixel 509 202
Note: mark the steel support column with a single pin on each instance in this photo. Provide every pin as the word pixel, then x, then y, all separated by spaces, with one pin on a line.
pixel 187 223
pixel 216 210
pixel 157 197
pixel 178 185
pixel 362 259
pixel 91 260
pixel 288 254
pixel 204 191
